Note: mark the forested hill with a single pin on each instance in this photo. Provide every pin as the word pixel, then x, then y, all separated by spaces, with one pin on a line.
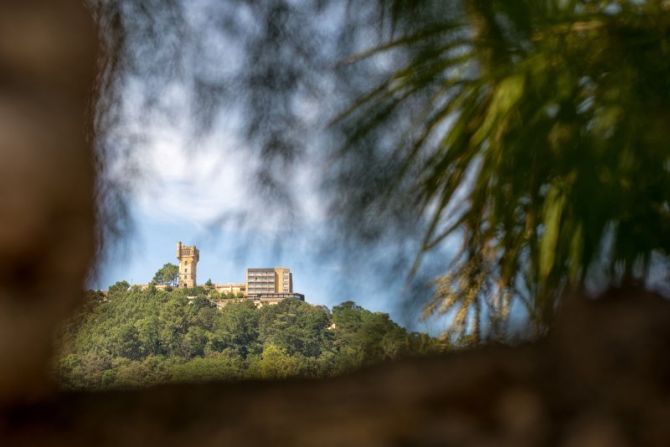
pixel 136 338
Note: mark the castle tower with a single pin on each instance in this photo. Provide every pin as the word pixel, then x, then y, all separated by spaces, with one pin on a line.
pixel 188 262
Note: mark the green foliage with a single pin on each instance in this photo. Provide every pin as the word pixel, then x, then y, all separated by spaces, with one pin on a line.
pixel 296 327
pixel 361 336
pixel 119 287
pixel 541 141
pixel 276 362
pixel 144 337
pixel 168 275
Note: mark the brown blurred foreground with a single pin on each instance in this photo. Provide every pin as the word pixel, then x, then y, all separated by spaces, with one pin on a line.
pixel 47 230
pixel 601 379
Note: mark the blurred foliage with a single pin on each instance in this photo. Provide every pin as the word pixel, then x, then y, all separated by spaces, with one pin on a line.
pixel 133 338
pixel 539 141
pixel 532 133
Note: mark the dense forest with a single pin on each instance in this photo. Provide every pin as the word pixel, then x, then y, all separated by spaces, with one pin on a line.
pixel 132 337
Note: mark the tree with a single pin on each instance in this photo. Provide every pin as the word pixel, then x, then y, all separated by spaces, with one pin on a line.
pixel 364 337
pixel 168 275
pixel 295 327
pixel 276 363
pixel 194 342
pixel 127 342
pixel 119 287
pixel 236 328
pixel 542 145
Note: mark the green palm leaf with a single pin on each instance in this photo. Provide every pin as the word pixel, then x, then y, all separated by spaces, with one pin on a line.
pixel 543 144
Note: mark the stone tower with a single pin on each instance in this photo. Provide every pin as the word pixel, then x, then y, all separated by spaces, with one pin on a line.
pixel 188 263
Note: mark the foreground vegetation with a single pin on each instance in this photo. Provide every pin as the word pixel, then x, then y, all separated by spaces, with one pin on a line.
pixel 136 338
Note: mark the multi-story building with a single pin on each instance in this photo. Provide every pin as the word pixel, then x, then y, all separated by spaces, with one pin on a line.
pixel 188 257
pixel 284 280
pixel 261 281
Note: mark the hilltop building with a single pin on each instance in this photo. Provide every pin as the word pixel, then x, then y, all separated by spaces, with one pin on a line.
pixel 269 280
pixel 262 286
pixel 188 257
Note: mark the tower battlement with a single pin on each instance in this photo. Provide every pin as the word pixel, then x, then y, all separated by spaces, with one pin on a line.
pixel 188 257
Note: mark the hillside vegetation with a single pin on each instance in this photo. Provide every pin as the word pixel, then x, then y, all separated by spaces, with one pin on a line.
pixel 136 338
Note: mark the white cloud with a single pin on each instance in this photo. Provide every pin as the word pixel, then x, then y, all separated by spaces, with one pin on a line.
pixel 194 184
pixel 200 184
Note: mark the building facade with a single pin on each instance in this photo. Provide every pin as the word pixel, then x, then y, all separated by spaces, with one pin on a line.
pixel 232 288
pixel 261 281
pixel 188 257
pixel 262 300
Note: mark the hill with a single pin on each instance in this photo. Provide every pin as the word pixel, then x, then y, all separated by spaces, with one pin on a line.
pixel 139 337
